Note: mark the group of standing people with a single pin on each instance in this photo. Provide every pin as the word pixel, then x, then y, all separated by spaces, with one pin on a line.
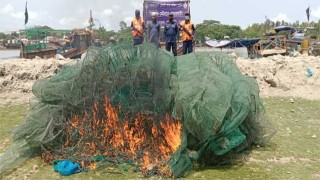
pixel 171 32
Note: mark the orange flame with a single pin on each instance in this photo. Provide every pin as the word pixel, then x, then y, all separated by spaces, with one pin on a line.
pixel 172 133
pixel 137 138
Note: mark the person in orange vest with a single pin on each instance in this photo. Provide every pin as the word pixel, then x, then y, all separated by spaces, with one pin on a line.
pixel 137 28
pixel 187 29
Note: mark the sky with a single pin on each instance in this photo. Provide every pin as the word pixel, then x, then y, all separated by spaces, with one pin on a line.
pixel 69 14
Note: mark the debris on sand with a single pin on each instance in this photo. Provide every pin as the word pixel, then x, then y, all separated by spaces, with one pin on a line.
pixel 284 76
pixel 17 77
pixel 291 101
pixel 279 76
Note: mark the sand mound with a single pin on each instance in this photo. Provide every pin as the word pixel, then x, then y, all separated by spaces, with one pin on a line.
pixel 280 76
pixel 285 76
pixel 17 77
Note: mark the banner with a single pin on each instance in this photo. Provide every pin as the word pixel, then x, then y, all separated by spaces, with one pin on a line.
pixel 163 9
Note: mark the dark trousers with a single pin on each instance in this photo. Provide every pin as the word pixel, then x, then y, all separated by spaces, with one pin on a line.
pixel 187 46
pixel 137 40
pixel 173 46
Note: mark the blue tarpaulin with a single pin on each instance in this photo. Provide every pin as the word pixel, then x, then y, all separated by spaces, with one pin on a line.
pixel 238 43
pixel 243 43
pixel 285 28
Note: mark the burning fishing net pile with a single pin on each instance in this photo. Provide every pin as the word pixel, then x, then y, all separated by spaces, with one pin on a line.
pixel 141 106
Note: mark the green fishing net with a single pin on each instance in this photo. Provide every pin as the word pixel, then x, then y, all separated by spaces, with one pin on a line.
pixel 141 106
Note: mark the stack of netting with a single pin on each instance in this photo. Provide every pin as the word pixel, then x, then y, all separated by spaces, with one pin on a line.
pixel 221 111
pixel 127 95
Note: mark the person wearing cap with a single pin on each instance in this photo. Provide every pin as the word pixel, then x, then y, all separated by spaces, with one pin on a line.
pixel 188 30
pixel 137 28
pixel 153 28
pixel 171 34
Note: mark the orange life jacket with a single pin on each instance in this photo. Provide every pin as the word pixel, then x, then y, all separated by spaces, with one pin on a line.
pixel 188 27
pixel 138 24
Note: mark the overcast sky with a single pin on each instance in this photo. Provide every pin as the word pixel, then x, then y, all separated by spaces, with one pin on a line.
pixel 66 14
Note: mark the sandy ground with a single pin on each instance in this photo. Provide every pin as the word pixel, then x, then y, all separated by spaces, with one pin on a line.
pixel 280 76
pixel 17 77
pixel 284 76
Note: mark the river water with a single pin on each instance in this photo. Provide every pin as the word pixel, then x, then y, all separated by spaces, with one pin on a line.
pixel 9 54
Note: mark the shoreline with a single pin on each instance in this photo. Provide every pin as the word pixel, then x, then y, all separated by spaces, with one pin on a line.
pixel 9 54
pixel 9 49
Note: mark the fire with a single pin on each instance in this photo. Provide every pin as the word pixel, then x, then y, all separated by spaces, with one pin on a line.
pixel 146 160
pixel 172 136
pixel 148 142
pixel 92 166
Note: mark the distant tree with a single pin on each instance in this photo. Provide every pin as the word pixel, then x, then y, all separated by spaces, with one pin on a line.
pixel 2 35
pixel 211 22
pixel 123 25
pixel 14 35
pixel 304 25
pixel 296 24
pixel 102 33
pixel 8 37
pixel 124 34
pixel 267 24
pixel 105 35
pixel 278 23
pixel 41 27
pixel 273 24
pixel 255 30
pixel 215 30
pixel 315 32
pixel 312 24
pixel 46 27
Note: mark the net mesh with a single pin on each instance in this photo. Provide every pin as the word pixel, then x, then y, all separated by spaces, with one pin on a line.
pixel 140 105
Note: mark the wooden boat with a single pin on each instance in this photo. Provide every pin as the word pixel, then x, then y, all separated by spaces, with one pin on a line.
pixel 34 42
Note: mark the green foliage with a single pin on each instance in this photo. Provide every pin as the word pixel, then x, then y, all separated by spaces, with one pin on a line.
pixel 105 35
pixel 208 28
pixel 215 30
pixel 50 31
pixel 41 27
pixel 8 37
pixel 255 30
pixel 123 25
pixel 314 33
pixel 45 28
pixel 2 35
pixel 14 35
pixel 124 34
pixel 296 24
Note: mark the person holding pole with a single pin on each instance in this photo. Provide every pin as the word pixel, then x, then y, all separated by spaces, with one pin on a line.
pixel 137 28
pixel 188 30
